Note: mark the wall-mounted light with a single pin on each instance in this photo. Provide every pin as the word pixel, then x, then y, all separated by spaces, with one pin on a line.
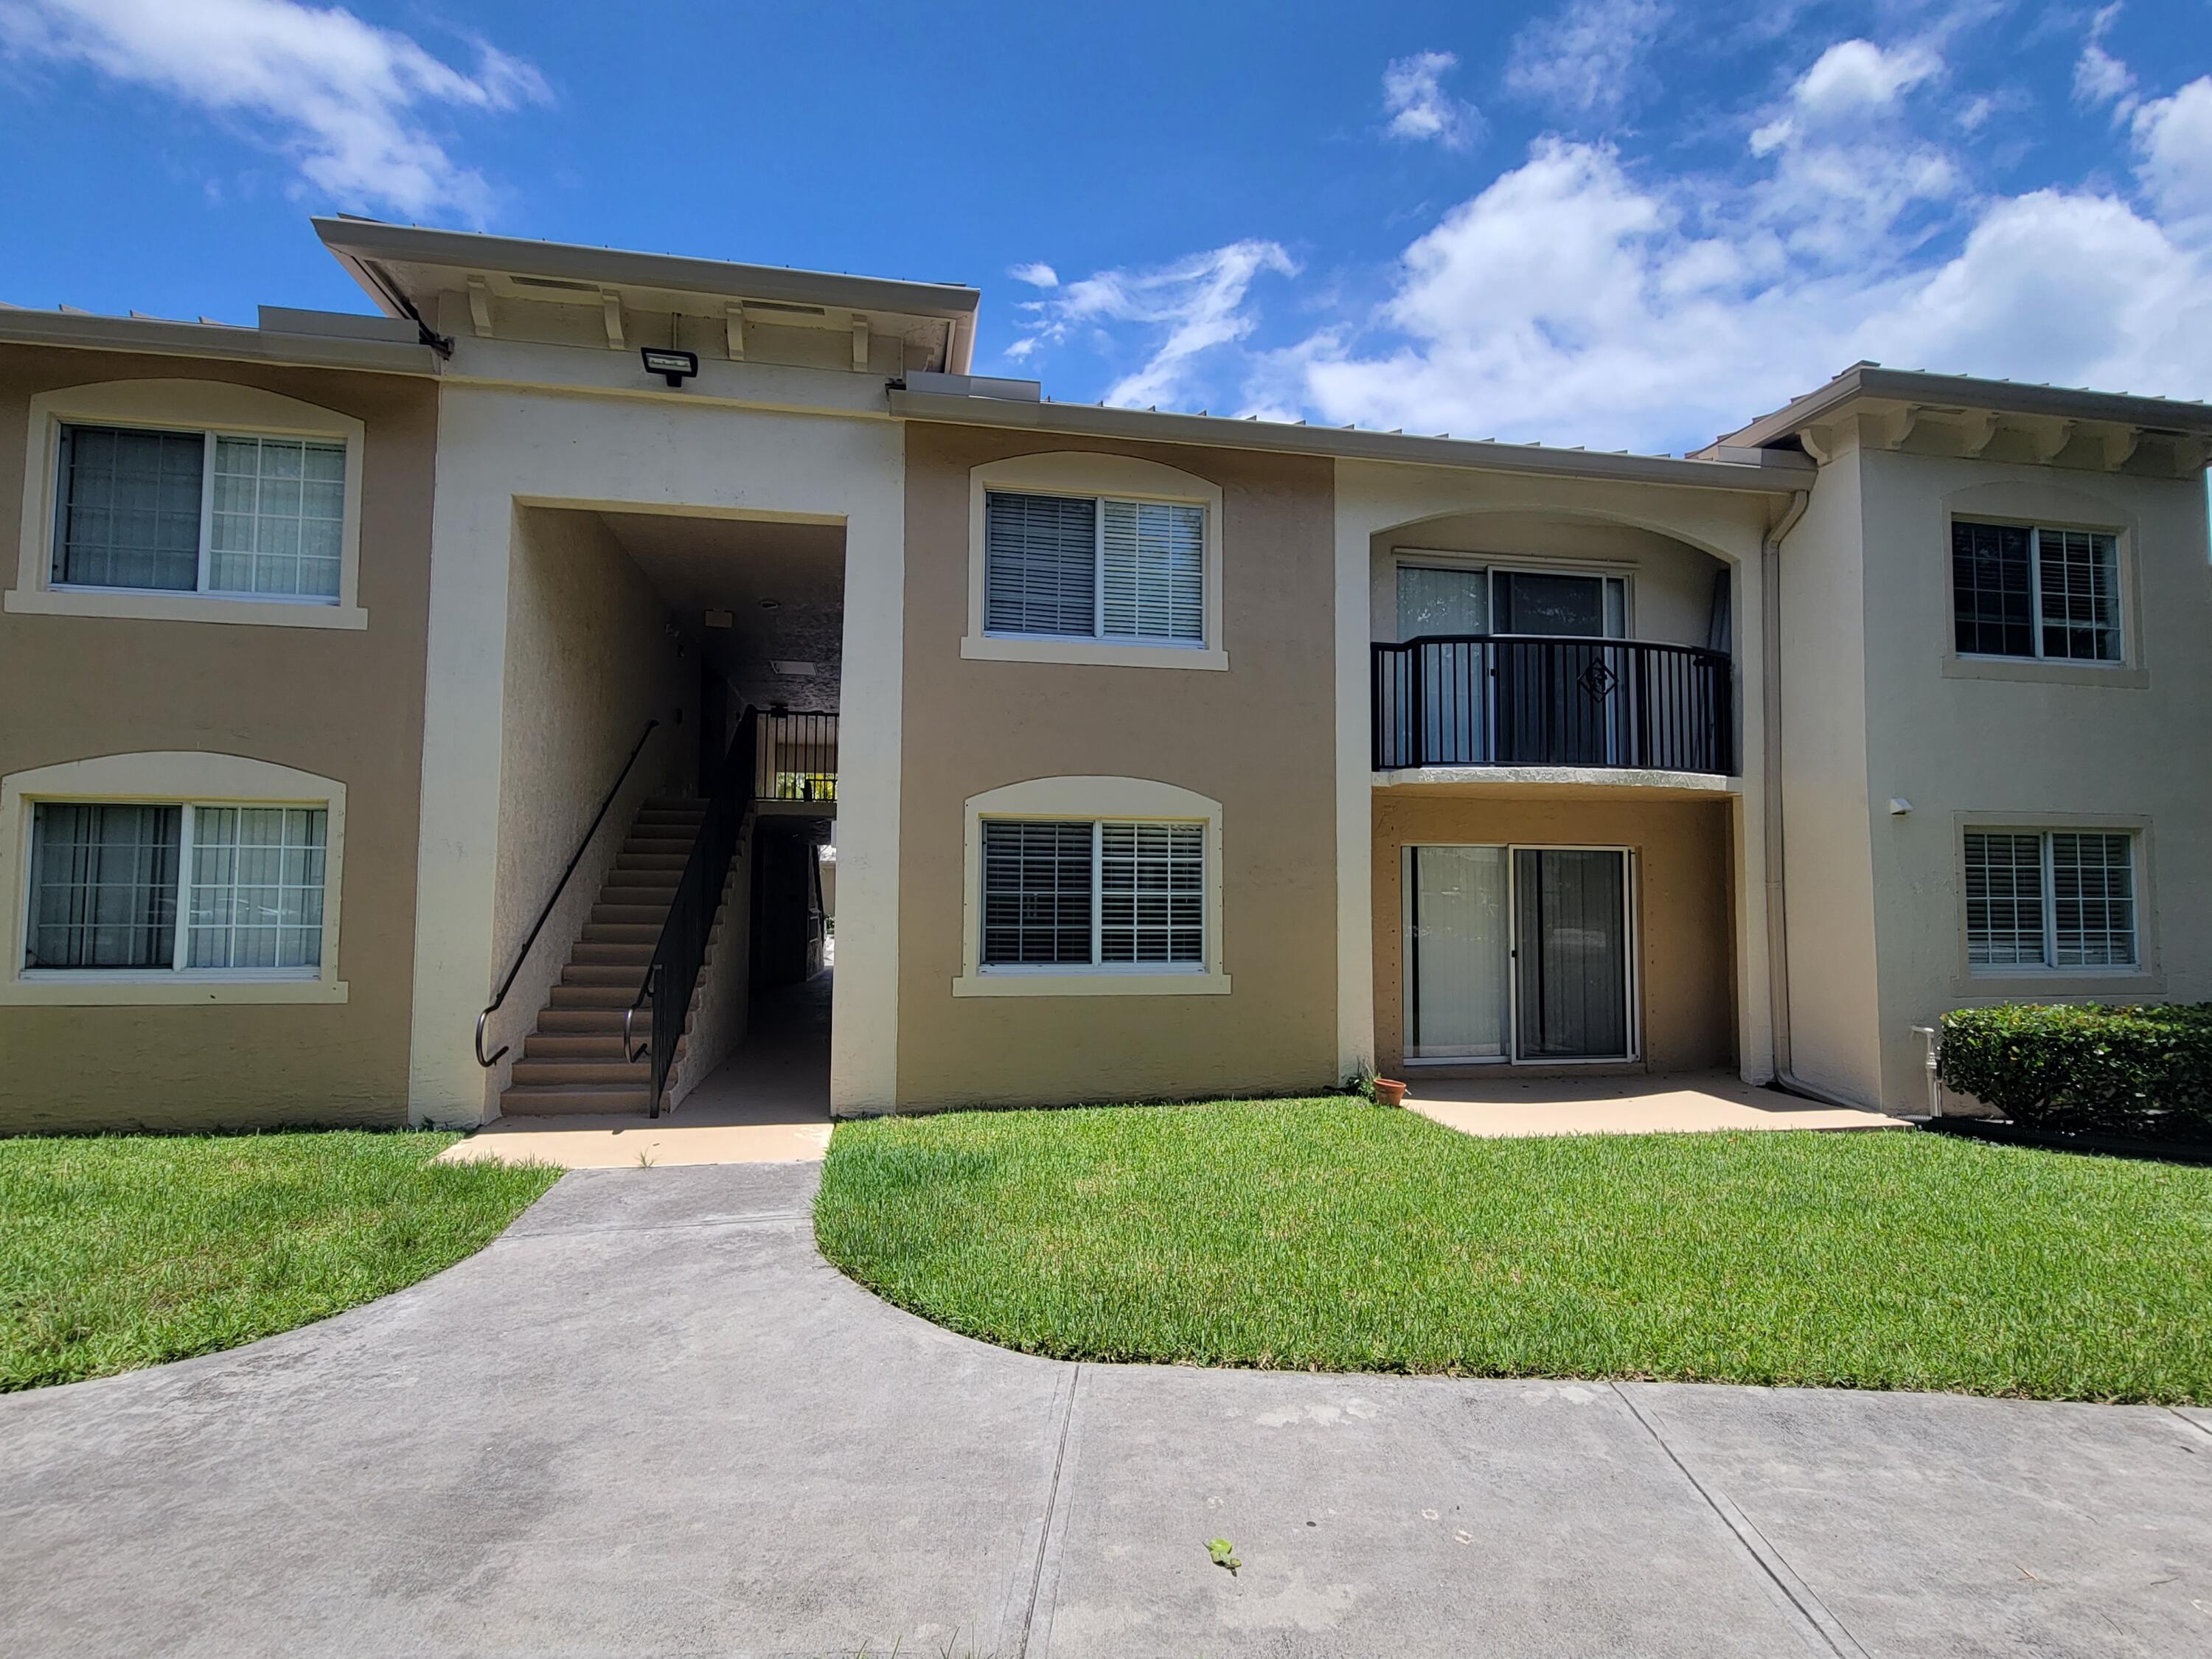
pixel 673 367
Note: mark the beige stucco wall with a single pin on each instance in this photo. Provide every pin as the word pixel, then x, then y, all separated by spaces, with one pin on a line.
pixel 1258 737
pixel 589 661
pixel 2129 750
pixel 1684 909
pixel 1826 852
pixel 342 704
pixel 1670 583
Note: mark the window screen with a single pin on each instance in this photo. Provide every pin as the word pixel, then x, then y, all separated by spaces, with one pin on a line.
pixel 2092 900
pixel 257 896
pixel 1154 555
pixel 1041 564
pixel 2004 899
pixel 279 517
pixel 130 509
pixel 2080 575
pixel 2065 899
pixel 1991 590
pixel 1037 892
pixel 103 887
pixel 1152 892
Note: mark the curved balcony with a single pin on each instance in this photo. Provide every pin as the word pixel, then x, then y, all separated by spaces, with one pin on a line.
pixel 1530 700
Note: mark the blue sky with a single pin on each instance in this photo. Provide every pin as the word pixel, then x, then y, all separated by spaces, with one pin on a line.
pixel 1622 224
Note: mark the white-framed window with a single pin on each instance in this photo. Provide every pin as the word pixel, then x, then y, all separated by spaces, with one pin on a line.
pixel 198 512
pixel 2035 591
pixel 170 877
pixel 1094 567
pixel 191 500
pixel 182 887
pixel 2040 899
pixel 1093 886
pixel 1101 894
pixel 1085 557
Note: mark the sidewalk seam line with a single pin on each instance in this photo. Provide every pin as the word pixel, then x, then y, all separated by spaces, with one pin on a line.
pixel 1801 1596
pixel 654 1227
pixel 2192 1422
pixel 1052 1511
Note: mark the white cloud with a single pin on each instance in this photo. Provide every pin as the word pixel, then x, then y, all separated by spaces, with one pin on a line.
pixel 346 100
pixel 1037 274
pixel 1855 75
pixel 1419 108
pixel 1186 310
pixel 1583 61
pixel 1570 303
pixel 2175 137
pixel 2099 78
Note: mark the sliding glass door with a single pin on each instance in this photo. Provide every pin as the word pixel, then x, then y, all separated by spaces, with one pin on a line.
pixel 1517 953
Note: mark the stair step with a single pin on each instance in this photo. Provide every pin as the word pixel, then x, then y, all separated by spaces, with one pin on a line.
pixel 579 1045
pixel 672 803
pixel 551 1099
pixel 607 1023
pixel 641 843
pixel 636 955
pixel 628 973
pixel 622 933
pixel 626 861
pixel 616 997
pixel 626 890
pixel 570 1069
pixel 648 916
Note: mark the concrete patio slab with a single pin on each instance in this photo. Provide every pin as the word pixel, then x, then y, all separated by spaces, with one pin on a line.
pixel 1697 1102
pixel 650 1419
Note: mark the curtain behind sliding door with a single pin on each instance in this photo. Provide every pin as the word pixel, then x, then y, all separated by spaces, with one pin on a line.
pixel 1456 955
pixel 1572 973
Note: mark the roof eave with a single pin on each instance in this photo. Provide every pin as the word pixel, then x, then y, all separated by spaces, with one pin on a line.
pixel 1770 474
pixel 177 339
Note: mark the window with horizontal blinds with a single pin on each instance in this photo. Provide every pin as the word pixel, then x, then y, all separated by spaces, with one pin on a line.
pixel 2035 591
pixel 1093 893
pixel 129 512
pixel 1085 567
pixel 1041 564
pixel 1152 892
pixel 1038 879
pixel 2057 899
pixel 1151 571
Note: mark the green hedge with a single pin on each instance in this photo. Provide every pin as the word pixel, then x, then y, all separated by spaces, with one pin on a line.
pixel 2144 1072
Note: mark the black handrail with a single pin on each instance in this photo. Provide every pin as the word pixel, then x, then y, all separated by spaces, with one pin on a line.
pixel 560 886
pixel 673 973
pixel 1551 700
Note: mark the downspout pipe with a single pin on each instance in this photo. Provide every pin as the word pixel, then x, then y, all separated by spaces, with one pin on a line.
pixel 1777 916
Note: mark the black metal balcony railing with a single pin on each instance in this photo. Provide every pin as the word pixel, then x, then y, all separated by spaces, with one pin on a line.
pixel 798 758
pixel 1524 700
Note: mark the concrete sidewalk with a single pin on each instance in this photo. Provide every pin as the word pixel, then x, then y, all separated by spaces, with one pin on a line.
pixel 650 1420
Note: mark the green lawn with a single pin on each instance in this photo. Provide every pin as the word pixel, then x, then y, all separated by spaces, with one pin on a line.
pixel 1330 1235
pixel 118 1251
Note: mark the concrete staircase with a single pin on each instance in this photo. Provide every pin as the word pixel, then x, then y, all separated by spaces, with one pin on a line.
pixel 573 1062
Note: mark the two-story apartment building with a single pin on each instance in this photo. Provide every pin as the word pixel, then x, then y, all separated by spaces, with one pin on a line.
pixel 434 714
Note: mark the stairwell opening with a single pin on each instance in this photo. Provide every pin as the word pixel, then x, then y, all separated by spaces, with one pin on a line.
pixel 677 674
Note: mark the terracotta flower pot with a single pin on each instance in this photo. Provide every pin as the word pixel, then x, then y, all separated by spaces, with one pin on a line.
pixel 1388 1091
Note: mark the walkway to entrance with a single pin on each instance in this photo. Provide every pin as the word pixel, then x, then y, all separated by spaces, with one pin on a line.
pixel 1643 1104
pixel 766 1103
pixel 650 1419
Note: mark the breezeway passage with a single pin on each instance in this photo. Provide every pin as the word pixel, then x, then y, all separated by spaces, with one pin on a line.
pixel 650 1419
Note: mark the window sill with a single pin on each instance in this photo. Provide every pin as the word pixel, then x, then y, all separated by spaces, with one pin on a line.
pixel 1093 653
pixel 164 990
pixel 1091 985
pixel 2040 984
pixel 2044 670
pixel 182 607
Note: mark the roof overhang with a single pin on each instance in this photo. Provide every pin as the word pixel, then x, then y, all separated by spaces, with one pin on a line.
pixel 405 267
pixel 312 340
pixel 2108 426
pixel 950 399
